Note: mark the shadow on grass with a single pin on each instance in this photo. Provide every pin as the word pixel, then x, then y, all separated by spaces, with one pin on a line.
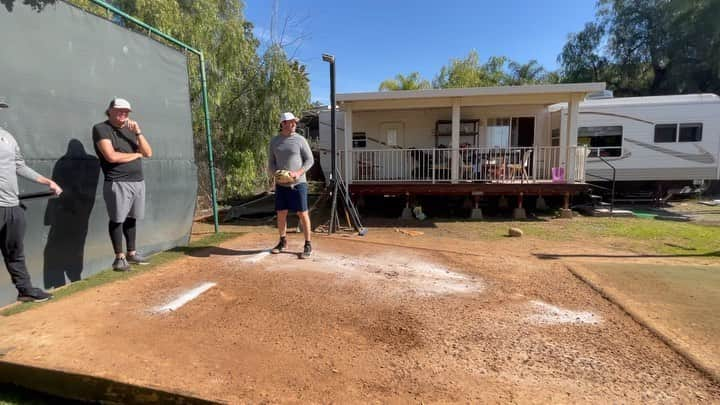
pixel 556 256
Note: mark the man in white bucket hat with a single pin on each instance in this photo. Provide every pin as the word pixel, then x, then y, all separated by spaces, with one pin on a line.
pixel 289 159
pixel 120 145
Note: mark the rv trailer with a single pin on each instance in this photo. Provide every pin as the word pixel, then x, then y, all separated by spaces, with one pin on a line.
pixel 652 142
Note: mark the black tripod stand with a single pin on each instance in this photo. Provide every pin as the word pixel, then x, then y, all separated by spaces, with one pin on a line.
pixel 337 185
pixel 339 188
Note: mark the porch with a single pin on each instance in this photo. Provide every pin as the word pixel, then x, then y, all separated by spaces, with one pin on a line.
pixel 474 141
pixel 518 165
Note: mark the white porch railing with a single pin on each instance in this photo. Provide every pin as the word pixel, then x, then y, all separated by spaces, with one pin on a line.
pixel 434 165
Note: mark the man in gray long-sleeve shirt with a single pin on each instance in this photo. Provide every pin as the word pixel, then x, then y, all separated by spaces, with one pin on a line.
pixel 291 152
pixel 12 216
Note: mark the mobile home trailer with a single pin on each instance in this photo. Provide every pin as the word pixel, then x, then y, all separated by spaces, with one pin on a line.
pixel 651 141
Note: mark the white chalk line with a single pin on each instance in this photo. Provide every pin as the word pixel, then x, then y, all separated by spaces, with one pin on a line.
pixel 257 256
pixel 184 298
pixel 550 314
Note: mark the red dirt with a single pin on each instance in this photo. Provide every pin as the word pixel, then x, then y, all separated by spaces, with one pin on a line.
pixel 362 321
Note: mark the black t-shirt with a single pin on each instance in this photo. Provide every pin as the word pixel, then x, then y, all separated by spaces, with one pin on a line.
pixel 123 140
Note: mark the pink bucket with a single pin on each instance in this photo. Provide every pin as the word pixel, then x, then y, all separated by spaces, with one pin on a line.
pixel 558 175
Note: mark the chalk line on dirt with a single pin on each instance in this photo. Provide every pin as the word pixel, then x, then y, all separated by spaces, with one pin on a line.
pixel 184 298
pixel 547 314
pixel 257 257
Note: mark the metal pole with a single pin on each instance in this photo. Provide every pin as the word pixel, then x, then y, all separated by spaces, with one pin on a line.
pixel 208 133
pixel 153 30
pixel 331 59
pixel 333 180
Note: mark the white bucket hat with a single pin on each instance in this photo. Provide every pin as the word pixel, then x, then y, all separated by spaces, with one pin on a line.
pixel 288 116
pixel 120 103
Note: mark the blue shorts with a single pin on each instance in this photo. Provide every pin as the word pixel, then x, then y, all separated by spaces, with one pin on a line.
pixel 291 198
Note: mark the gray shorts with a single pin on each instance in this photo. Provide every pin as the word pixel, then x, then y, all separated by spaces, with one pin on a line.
pixel 124 199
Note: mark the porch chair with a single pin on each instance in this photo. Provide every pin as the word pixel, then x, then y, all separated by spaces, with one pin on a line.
pixel 422 164
pixel 494 168
pixel 520 168
pixel 366 168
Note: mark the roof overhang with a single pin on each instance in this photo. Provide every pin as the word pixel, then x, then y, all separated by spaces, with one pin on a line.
pixel 545 94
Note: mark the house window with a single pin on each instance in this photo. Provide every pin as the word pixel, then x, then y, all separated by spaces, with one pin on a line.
pixel 555 137
pixel 359 140
pixel 498 132
pixel 665 133
pixel 690 133
pixel 605 141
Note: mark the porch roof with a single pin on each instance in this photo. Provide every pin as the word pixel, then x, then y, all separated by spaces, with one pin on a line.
pixel 545 94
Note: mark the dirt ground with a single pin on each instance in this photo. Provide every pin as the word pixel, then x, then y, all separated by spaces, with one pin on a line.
pixel 385 318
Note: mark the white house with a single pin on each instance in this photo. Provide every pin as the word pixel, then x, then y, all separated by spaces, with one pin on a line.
pixel 473 141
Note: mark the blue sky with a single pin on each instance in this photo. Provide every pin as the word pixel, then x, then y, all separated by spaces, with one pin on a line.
pixel 374 40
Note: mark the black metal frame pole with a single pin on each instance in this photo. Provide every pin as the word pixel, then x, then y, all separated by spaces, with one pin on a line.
pixel 331 60
pixel 333 152
pixel 333 129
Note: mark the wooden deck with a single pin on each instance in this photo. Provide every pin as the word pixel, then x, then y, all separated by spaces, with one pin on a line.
pixel 544 188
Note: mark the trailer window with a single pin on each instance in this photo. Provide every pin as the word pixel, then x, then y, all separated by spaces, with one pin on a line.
pixel 665 133
pixel 359 140
pixel 690 133
pixel 602 140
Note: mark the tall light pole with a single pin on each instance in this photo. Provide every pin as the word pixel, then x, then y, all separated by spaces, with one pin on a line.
pixel 331 60
pixel 336 182
pixel 333 174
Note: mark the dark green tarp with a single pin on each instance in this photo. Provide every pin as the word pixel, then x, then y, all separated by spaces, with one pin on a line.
pixel 59 68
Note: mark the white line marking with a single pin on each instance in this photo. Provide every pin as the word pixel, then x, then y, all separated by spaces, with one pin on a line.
pixel 257 257
pixel 550 314
pixel 184 298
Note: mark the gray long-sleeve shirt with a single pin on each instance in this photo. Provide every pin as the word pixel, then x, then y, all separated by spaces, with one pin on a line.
pixel 290 152
pixel 12 164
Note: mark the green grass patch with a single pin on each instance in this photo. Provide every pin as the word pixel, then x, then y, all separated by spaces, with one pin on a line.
pixel 108 276
pixel 644 236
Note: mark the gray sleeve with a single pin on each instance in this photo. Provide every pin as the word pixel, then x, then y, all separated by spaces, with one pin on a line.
pixel 306 154
pixel 22 169
pixel 272 164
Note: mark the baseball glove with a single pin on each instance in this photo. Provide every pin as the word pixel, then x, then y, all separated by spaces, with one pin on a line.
pixel 284 177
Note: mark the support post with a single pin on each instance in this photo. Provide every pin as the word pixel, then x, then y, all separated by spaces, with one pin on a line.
pixel 455 143
pixel 571 143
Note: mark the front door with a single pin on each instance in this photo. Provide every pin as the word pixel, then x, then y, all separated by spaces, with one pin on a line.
pixel 392 134
pixel 525 131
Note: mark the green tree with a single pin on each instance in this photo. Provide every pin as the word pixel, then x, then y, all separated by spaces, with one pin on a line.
pixel 652 47
pixel 469 72
pixel 638 40
pixel 413 81
pixel 581 59
pixel 527 73
pixel 695 46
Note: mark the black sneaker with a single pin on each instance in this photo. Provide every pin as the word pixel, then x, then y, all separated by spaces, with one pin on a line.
pixel 137 258
pixel 282 245
pixel 120 264
pixel 34 295
pixel 307 251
